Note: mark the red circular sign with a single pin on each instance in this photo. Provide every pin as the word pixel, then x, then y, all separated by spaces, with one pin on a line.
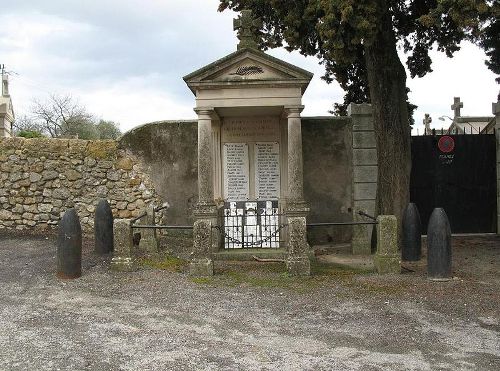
pixel 446 144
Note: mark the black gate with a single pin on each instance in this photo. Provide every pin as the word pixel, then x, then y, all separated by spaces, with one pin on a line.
pixel 457 173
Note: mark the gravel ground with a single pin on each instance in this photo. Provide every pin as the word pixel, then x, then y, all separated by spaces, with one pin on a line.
pixel 250 316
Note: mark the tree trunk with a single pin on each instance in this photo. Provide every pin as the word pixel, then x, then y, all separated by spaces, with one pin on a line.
pixel 387 82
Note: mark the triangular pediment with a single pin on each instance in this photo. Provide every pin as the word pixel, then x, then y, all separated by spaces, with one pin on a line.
pixel 248 66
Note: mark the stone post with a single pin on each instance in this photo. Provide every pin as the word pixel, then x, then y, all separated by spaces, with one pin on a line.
pixel 387 259
pixel 123 259
pixel 298 262
pixel 365 173
pixel 496 112
pixel 149 241
pixel 205 213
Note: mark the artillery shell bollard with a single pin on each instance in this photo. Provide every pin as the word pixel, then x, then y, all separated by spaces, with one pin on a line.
pixel 103 224
pixel 412 234
pixel 439 246
pixel 69 246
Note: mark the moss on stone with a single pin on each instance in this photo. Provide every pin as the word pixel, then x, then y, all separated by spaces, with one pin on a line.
pixel 102 149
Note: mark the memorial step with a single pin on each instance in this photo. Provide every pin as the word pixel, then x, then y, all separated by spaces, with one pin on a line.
pixel 248 254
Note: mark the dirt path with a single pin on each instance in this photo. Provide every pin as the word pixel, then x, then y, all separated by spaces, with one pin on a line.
pixel 248 317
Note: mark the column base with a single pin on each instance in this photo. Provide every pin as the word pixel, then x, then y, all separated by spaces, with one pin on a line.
pixel 201 267
pixel 386 264
pixel 121 264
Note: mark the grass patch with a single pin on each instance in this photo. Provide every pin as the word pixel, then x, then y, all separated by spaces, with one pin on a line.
pixel 163 262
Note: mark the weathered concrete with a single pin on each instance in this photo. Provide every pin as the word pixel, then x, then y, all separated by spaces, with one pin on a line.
pixel 327 156
pixel 387 259
pixel 149 240
pixel 298 259
pixel 123 256
pixel 201 260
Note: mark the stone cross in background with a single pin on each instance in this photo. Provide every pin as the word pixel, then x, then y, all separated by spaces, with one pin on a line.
pixel 247 28
pixel 427 123
pixel 456 106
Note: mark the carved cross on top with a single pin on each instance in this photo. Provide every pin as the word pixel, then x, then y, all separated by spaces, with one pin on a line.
pixel 427 123
pixel 456 106
pixel 247 28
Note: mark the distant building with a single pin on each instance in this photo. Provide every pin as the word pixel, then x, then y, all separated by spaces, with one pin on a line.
pixel 6 109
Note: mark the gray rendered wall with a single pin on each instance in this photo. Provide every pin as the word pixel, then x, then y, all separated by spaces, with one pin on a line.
pixel 327 154
pixel 169 149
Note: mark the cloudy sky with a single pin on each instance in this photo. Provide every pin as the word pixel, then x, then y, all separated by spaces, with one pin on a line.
pixel 124 60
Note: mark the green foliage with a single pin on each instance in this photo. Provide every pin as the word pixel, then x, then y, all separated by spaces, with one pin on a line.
pixel 108 129
pixel 29 134
pixel 338 32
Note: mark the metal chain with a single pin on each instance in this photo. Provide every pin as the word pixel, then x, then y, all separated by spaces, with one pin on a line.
pixel 247 244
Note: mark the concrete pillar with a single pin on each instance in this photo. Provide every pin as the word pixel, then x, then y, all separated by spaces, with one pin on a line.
pixel 298 260
pixel 365 173
pixel 205 154
pixel 387 258
pixel 496 112
pixel 123 259
pixel 149 241
pixel 205 239
pixel 295 162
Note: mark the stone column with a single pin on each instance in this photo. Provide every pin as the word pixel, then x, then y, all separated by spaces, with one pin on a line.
pixel 365 172
pixel 496 112
pixel 205 213
pixel 298 261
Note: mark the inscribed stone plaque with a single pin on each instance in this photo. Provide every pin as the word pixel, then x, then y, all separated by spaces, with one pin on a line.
pixel 236 187
pixel 267 170
pixel 243 129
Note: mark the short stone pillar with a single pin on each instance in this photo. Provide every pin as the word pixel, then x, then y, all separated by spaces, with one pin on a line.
pixel 123 259
pixel 69 246
pixel 201 262
pixel 365 173
pixel 387 259
pixel 149 240
pixel 103 228
pixel 298 261
pixel 439 246
pixel 412 234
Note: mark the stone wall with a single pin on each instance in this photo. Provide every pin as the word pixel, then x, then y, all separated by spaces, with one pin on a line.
pixel 41 178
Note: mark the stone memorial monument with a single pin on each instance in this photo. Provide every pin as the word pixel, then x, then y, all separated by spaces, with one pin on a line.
pixel 250 165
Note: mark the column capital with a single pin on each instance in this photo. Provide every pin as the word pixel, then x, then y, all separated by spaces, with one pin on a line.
pixel 205 111
pixel 293 111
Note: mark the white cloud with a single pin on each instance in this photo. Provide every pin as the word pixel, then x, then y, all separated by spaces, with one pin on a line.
pixel 125 60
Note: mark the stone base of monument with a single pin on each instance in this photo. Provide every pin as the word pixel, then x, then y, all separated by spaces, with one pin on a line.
pixel 201 267
pixel 298 266
pixel 122 264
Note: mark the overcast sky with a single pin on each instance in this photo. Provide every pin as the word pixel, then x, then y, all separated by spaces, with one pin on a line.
pixel 124 60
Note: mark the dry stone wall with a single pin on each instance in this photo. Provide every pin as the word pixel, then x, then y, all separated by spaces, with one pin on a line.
pixel 41 178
